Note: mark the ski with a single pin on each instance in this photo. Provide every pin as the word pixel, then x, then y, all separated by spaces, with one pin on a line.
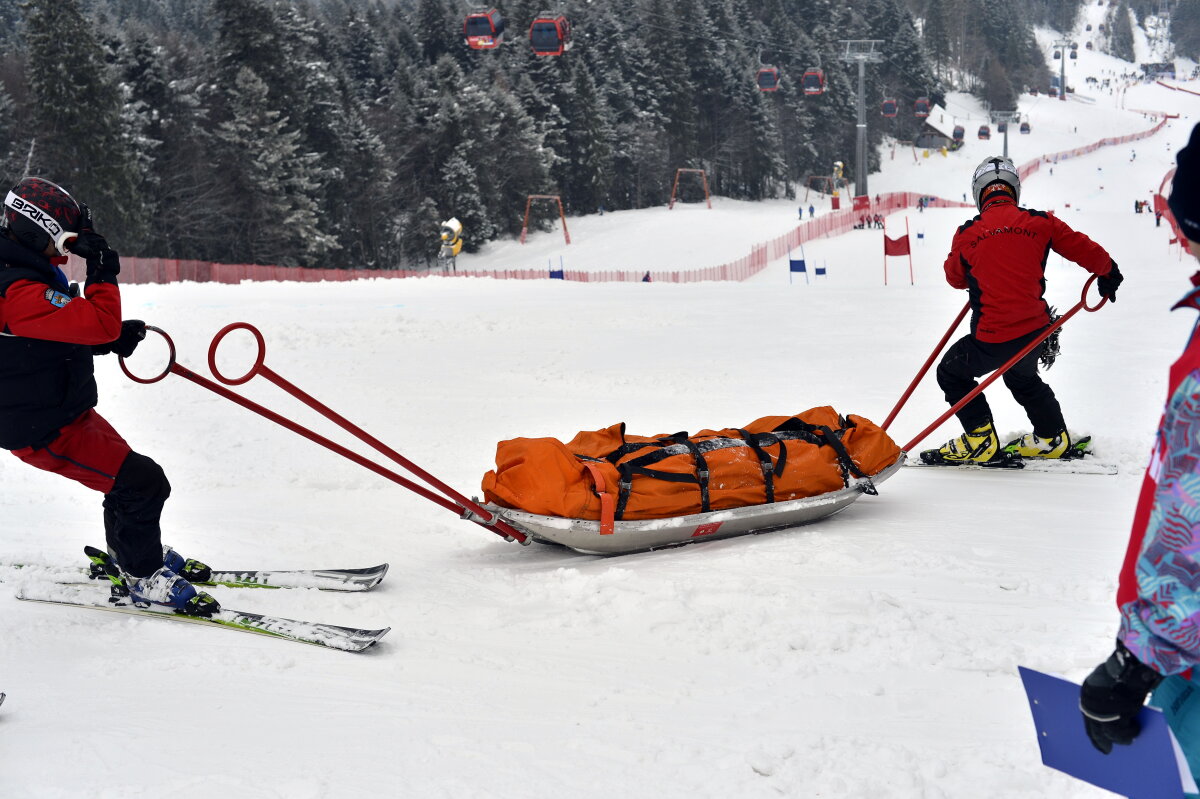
pixel 1 699
pixel 1078 460
pixel 321 579
pixel 331 636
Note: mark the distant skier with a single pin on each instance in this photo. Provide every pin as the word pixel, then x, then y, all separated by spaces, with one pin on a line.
pixel 48 390
pixel 999 257
pixel 811 212
pixel 1158 644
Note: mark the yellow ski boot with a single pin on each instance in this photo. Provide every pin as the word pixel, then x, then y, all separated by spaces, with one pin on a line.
pixel 1032 445
pixel 980 445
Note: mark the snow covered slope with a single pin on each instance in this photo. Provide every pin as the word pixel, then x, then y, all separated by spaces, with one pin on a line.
pixel 873 654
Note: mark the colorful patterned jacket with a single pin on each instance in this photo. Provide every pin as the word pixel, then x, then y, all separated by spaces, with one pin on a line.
pixel 1159 593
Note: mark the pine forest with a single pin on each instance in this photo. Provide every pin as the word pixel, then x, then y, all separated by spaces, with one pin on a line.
pixel 339 133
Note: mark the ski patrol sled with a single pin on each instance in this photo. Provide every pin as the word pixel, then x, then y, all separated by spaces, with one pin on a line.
pixel 609 492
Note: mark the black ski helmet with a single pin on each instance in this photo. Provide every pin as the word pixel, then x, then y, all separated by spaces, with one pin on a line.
pixel 38 212
pixel 995 170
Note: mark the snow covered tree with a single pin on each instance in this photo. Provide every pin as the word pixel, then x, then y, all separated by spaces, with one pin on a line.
pixel 270 206
pixel 464 200
pixel 588 146
pixel 1121 41
pixel 1185 28
pixel 78 113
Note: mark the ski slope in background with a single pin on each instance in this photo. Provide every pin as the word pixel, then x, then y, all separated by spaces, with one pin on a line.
pixel 872 654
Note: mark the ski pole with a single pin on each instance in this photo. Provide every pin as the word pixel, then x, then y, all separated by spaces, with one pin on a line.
pixel 921 374
pixel 468 509
pixel 1062 320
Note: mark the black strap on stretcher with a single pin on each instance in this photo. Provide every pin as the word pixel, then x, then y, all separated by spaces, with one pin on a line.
pixel 679 443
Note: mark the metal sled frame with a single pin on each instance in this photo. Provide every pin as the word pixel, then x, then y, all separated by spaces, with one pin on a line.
pixel 583 535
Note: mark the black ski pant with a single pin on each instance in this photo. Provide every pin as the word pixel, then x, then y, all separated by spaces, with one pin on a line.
pixel 969 358
pixel 132 510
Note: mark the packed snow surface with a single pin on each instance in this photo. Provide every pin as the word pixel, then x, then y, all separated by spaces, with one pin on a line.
pixel 872 654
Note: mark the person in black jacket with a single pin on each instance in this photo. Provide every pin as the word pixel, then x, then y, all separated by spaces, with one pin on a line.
pixel 49 333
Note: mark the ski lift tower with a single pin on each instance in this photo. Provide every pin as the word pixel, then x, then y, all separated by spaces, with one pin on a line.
pixel 861 52
pixel 1063 46
pixel 1008 118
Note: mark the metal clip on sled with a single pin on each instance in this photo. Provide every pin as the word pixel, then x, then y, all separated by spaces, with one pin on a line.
pixel 1062 320
pixel 448 498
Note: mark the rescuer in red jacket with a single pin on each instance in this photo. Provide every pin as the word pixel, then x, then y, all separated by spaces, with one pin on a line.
pixel 999 257
pixel 48 335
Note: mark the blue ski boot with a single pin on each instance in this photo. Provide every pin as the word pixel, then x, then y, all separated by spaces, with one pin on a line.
pixel 192 570
pixel 168 589
pixel 165 587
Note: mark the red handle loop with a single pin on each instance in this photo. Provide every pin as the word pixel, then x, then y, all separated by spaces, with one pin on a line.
pixel 166 370
pixel 256 369
pixel 1083 296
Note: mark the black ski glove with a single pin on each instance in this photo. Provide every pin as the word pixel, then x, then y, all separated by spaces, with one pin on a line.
pixel 85 218
pixel 103 263
pixel 132 333
pixel 1113 695
pixel 1109 283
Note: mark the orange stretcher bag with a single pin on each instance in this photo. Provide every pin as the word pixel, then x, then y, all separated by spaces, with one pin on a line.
pixel 610 475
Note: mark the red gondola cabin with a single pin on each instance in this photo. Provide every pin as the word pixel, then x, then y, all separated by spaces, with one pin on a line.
pixel 768 79
pixel 484 30
pixel 959 133
pixel 985 132
pixel 550 35
pixel 1025 127
pixel 813 81
pixel 921 107
pixel 889 107
pixel 1002 127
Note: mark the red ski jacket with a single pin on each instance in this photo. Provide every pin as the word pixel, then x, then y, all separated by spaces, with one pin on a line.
pixel 46 339
pixel 999 257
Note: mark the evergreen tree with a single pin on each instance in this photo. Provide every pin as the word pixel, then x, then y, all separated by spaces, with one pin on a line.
pixel 464 199
pixel 271 212
pixel 588 146
pixel 1121 41
pixel 11 166
pixel 1185 28
pixel 78 116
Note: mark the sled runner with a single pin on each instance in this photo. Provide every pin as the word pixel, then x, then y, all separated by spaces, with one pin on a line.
pixel 584 535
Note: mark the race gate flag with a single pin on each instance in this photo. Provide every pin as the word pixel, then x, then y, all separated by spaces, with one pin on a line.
pixel 798 265
pixel 898 246
pixel 1152 767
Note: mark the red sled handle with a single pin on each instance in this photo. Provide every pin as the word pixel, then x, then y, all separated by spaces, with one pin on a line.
pixel 449 498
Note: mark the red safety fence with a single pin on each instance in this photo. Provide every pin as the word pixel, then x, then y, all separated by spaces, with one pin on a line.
pixel 835 223
pixel 1175 88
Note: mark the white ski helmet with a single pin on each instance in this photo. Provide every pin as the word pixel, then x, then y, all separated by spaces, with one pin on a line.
pixel 995 170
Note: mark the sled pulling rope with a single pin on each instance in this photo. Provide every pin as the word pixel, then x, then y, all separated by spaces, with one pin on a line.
pixel 447 498
pixel 1082 305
